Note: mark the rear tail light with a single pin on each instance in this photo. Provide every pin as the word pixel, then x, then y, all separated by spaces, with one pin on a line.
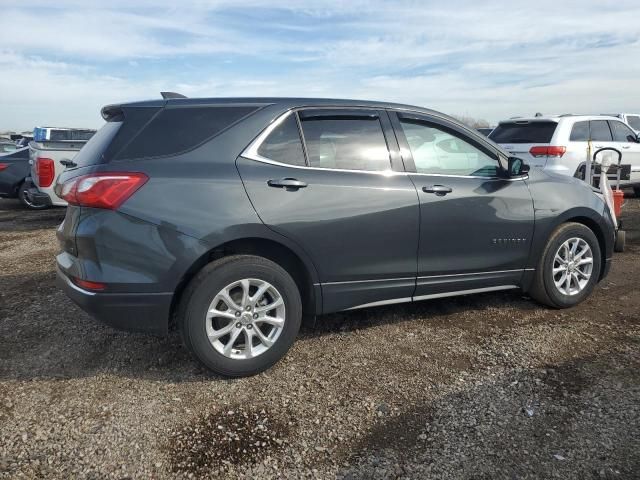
pixel 45 170
pixel 106 190
pixel 3 166
pixel 88 284
pixel 547 151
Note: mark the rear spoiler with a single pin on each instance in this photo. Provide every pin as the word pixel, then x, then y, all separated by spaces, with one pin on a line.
pixel 115 112
pixel 168 95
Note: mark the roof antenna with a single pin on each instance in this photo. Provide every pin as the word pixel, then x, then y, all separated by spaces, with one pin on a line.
pixel 538 114
pixel 168 95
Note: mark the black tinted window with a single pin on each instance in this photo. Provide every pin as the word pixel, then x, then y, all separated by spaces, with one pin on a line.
pixel 175 130
pixel 283 144
pixel 93 150
pixel 348 143
pixel 600 131
pixel 438 151
pixel 580 132
pixel 634 121
pixel 621 132
pixel 524 132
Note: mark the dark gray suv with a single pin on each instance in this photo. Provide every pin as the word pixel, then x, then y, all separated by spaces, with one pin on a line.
pixel 234 218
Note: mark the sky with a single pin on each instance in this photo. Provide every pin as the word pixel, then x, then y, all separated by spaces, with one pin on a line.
pixel 61 61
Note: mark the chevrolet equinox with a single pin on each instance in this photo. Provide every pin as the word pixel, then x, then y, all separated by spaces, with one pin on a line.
pixel 233 219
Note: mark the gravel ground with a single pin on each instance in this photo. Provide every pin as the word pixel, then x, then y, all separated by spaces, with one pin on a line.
pixel 480 387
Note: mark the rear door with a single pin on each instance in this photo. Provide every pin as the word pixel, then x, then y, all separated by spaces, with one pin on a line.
pixel 475 225
pixel 518 137
pixel 339 192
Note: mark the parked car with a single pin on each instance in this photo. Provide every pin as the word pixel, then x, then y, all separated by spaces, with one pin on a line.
pixel 559 143
pixel 50 152
pixel 631 119
pixel 14 169
pixel 236 218
pixel 7 146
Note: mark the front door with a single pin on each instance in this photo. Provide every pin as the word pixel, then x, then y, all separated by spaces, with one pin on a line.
pixel 626 141
pixel 340 195
pixel 475 224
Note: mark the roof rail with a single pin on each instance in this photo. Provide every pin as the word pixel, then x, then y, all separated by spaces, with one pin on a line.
pixel 168 95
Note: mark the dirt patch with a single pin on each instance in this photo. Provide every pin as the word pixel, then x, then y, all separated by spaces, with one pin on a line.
pixel 227 440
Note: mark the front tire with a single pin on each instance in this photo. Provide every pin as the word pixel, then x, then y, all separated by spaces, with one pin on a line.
pixel 240 315
pixel 569 267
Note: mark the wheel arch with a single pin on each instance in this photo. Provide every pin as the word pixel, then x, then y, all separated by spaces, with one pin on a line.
pixel 598 231
pixel 302 271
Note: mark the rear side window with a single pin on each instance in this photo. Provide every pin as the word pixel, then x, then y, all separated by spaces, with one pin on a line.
pixel 580 132
pixel 634 121
pixel 176 130
pixel 600 131
pixel 529 132
pixel 621 132
pixel 346 143
pixel 283 144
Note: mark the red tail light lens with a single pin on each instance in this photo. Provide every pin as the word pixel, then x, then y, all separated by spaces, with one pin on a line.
pixel 106 190
pixel 3 166
pixel 89 285
pixel 547 151
pixel 45 170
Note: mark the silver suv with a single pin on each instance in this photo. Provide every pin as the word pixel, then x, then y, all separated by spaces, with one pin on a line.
pixel 559 143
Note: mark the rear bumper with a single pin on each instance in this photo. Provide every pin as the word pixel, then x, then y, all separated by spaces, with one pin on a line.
pixel 38 198
pixel 144 312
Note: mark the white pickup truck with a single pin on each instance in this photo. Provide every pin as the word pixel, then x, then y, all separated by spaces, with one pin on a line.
pixel 50 152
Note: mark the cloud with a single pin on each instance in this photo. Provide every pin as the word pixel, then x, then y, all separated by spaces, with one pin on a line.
pixel 61 62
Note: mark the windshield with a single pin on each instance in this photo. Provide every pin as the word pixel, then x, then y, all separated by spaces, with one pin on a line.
pixel 525 132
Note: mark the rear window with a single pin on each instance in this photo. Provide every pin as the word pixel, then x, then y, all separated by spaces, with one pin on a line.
pixel 176 130
pixel 92 151
pixel 530 132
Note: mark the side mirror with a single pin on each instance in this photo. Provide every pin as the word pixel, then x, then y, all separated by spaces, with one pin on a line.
pixel 517 167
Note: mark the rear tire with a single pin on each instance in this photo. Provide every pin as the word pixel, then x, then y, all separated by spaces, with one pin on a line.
pixel 550 286
pixel 636 191
pixel 22 196
pixel 215 312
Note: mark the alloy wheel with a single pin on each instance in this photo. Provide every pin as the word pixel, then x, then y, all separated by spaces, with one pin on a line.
pixel 245 318
pixel 572 266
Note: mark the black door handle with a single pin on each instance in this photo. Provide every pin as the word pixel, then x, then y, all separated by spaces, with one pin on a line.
pixel 439 190
pixel 288 183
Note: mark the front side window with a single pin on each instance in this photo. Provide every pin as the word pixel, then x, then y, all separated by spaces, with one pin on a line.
pixel 345 143
pixel 580 132
pixel 622 133
pixel 600 131
pixel 634 121
pixel 283 144
pixel 436 151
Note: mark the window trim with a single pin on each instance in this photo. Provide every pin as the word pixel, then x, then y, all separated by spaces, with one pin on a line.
pixel 407 154
pixel 251 151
